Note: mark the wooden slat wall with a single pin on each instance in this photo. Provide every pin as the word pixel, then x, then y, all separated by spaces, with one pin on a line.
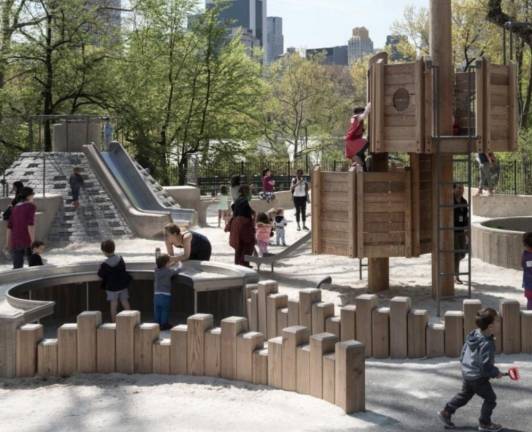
pixel 464 101
pixel 497 107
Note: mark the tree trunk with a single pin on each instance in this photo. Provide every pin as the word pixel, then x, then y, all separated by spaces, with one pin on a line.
pixel 49 84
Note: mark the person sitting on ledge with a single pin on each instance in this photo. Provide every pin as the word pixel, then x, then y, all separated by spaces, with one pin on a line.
pixel 195 245
pixel 37 249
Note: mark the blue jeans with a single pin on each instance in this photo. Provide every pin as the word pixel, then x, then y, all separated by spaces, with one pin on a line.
pixel 162 305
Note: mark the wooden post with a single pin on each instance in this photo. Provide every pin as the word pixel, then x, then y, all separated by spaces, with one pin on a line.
pixel 511 326
pixel 365 304
pixel 246 345
pixel 264 289
pixel 350 376
pixel 88 321
pixel 328 377
pixel 161 356
pixel 320 344
pixel 28 337
pixel 275 362
pixel 348 315
pixel 417 333
pixel 303 369
pixel 126 321
pixel 399 308
pixel 293 312
pixel 470 308
pixel 282 320
pixel 106 348
pixel 67 349
pixel 197 325
pixel 47 358
pixel 307 298
pixel 441 52
pixel 381 332
pixel 273 303
pixel 435 340
pixel 333 325
pixel 213 352
pixel 253 314
pixel 260 367
pixel 526 331
pixel 316 211
pixel 231 328
pixel 320 312
pixel 293 337
pixel 378 268
pixel 178 350
pixel 454 333
pixel 145 335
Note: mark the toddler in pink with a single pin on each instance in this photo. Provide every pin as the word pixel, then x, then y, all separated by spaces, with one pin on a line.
pixel 263 231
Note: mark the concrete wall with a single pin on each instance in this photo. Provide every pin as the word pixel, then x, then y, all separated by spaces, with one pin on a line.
pixel 494 241
pixel 47 209
pixel 502 205
pixel 189 197
pixel 282 200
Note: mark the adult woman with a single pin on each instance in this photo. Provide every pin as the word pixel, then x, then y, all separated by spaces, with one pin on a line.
pixel 195 245
pixel 299 190
pixel 20 233
pixel 16 191
pixel 242 228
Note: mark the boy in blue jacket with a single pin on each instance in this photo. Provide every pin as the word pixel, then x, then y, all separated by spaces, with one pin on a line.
pixel 478 367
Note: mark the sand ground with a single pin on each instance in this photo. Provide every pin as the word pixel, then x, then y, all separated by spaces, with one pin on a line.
pixel 142 403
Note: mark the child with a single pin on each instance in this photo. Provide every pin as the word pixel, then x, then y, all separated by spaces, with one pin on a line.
pixel 280 223
pixel 162 291
pixel 115 278
pixel 355 143
pixel 37 249
pixel 76 183
pixel 263 230
pixel 527 268
pixel 478 367
pixel 223 205
pixel 267 185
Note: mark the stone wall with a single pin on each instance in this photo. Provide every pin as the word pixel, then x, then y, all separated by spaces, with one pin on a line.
pixel 502 206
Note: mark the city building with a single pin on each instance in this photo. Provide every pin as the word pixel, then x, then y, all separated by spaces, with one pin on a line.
pixel 274 39
pixel 333 55
pixel 392 43
pixel 359 45
pixel 109 19
pixel 248 17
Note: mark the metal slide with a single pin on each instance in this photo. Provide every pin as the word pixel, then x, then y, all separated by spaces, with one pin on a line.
pixel 135 187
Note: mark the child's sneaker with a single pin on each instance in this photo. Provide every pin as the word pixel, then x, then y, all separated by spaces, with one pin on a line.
pixel 445 418
pixel 493 427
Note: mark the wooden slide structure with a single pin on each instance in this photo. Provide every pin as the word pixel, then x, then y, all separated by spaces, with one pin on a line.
pixel 390 213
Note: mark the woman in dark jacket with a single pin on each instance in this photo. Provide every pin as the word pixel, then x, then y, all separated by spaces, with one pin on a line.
pixel 242 227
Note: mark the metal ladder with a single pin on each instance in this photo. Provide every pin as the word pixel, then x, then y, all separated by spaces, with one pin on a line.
pixel 437 139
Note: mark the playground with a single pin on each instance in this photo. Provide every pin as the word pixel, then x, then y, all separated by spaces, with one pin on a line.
pixel 350 301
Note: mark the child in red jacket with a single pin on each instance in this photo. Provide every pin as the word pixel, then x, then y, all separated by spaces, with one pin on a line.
pixel 355 143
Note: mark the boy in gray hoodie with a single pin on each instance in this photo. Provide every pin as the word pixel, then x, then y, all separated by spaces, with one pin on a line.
pixel 162 291
pixel 478 367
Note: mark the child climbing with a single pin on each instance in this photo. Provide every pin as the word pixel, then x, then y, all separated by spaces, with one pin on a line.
pixel 280 224
pixel 224 203
pixel 478 367
pixel 76 183
pixel 527 268
pixel 263 230
pixel 355 143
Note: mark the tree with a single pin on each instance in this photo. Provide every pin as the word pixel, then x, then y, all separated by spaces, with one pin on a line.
pixel 185 91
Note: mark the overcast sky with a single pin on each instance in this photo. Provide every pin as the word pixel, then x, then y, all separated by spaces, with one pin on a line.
pixel 321 23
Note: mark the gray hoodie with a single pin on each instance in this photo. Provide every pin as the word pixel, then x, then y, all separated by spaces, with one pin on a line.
pixel 163 280
pixel 478 357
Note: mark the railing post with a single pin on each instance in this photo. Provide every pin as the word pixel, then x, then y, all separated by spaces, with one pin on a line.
pixel 242 168
pixel 515 177
pixel 334 165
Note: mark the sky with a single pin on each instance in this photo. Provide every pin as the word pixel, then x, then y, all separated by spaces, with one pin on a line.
pixel 323 23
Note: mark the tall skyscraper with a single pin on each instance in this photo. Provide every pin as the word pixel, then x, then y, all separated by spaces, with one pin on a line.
pixel 333 55
pixel 274 39
pixel 392 42
pixel 359 45
pixel 109 17
pixel 248 15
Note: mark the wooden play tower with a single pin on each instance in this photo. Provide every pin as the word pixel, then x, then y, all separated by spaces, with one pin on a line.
pixel 409 212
